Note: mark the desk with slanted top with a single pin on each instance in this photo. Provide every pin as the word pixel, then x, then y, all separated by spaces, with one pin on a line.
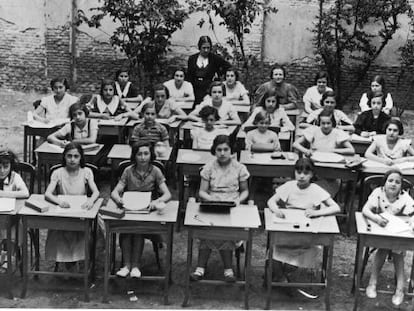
pixel 57 218
pixel 320 231
pixel 152 223
pixel 238 225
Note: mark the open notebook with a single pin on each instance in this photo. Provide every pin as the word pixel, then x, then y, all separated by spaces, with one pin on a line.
pixel 136 202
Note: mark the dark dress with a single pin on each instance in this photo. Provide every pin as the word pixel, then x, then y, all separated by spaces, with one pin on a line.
pixel 201 78
pixel 367 123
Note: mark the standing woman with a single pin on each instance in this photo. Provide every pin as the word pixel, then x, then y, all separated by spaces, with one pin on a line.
pixel 313 95
pixel 287 93
pixel 203 66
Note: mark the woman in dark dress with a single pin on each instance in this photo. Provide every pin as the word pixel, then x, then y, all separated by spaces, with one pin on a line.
pixel 203 66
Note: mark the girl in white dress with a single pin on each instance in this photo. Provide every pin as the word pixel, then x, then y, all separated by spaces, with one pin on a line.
pixel 236 93
pixel 73 178
pixel 303 194
pixel 377 85
pixel 55 106
pixel 390 148
pixel 313 95
pixel 388 198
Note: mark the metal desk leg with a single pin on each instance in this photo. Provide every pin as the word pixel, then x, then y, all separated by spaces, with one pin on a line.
pixel 189 263
pixel 87 226
pixel 108 238
pixel 168 263
pixel 328 275
pixel 25 266
pixel 359 272
pixel 247 270
pixel 93 250
pixel 351 209
pixel 269 271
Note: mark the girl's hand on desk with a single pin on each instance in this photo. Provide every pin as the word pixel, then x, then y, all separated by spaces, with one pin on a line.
pixel 64 204
pixel 118 117
pixel 381 221
pixel 278 213
pixel 88 204
pixel 308 153
pixel 105 116
pixel 120 202
pixel 364 134
pixel 311 213
pixel 172 119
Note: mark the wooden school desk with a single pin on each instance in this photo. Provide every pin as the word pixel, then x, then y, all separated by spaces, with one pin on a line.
pixel 185 130
pixel 152 223
pixel 112 128
pixel 37 128
pixel 238 225
pixel 57 218
pixel 321 231
pixel 122 152
pixel 379 237
pixel 189 163
pixel 50 154
pixel 7 220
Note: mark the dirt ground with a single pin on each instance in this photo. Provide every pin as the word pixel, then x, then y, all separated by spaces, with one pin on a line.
pixel 49 292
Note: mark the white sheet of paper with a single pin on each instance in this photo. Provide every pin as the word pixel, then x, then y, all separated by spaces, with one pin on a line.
pixel 56 147
pixel 75 202
pixel 327 157
pixel 358 138
pixel 293 217
pixel 395 224
pixel 136 200
pixel 370 163
pixel 190 157
pixel 7 204
pixel 405 165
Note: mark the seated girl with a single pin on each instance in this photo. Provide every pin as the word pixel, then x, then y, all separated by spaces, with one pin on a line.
pixel 81 130
pixel 390 149
pixel 203 137
pixel 11 186
pixel 107 105
pixel 377 85
pixel 262 139
pixel 55 106
pixel 165 107
pixel 180 90
pixel 11 183
pixel 73 178
pixel 303 194
pixel 149 130
pixel 270 106
pixel 145 177
pixel 236 93
pixel 125 90
pixel 388 198
pixel 226 111
pixel 325 137
pixel 223 179
pixel 371 122
pixel 328 102
pixel 313 95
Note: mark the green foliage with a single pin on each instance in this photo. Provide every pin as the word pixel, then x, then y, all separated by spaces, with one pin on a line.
pixel 145 28
pixel 343 33
pixel 237 16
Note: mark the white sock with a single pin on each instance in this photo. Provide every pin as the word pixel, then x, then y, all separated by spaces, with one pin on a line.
pixel 199 271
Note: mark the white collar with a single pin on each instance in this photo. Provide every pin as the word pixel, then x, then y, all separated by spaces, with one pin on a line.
pixel 102 106
pixel 123 93
pixel 202 61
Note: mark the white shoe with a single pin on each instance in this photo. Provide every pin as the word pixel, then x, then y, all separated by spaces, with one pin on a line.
pixel 371 291
pixel 123 272
pixel 398 297
pixel 135 273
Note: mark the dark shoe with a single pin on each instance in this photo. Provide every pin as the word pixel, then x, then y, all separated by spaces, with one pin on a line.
pixel 229 278
pixel 196 277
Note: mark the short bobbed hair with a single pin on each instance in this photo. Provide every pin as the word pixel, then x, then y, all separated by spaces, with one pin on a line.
pixel 72 146
pixel 135 148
